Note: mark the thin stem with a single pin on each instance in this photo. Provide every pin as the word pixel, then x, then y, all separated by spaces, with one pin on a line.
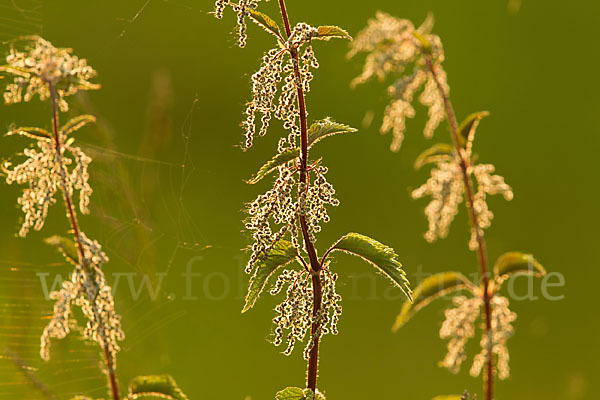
pixel 110 370
pixel 313 360
pixel 481 246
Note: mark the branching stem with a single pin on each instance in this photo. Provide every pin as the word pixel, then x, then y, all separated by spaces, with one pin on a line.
pixel 109 361
pixel 481 246
pixel 313 361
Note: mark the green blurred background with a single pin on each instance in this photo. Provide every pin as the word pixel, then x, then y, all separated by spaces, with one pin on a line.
pixel 169 191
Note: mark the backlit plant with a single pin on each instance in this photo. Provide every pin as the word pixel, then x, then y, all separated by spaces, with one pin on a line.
pixel 55 165
pixel 414 56
pixel 284 222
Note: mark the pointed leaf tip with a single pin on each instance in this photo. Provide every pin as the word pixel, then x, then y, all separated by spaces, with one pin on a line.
pixel 469 126
pixel 517 263
pixel 427 25
pixel 155 387
pixel 31 132
pixel 282 253
pixel 383 257
pixel 325 128
pixel 436 153
pixel 327 32
pixel 431 288
pixel 77 123
pixel 271 165
pixel 265 22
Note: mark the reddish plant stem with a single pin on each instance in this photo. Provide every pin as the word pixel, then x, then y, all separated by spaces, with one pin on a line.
pixel 112 379
pixel 481 246
pixel 313 360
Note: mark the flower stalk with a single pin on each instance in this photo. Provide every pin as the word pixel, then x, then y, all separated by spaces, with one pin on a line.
pixel 470 204
pixel 315 265
pixel 108 356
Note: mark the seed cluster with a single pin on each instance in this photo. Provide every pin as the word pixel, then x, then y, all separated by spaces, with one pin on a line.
pixel 39 63
pixel 43 172
pixel 88 290
pixel 264 90
pixel 276 204
pixel 459 327
pixel 313 202
pixel 294 314
pixel 278 66
pixel 281 205
pixel 446 188
pixel 301 34
pixel 241 9
pixel 391 47
pixel 487 183
pixel 495 344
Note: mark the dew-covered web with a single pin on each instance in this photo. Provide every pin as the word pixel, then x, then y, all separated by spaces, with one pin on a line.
pixel 139 214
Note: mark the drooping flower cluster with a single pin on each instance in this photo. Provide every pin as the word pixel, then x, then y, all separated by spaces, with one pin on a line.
pixel 313 201
pixel 487 183
pixel 242 10
pixel 274 214
pixel 459 327
pixel 392 47
pixel 45 173
pixel 277 66
pixel 34 63
pixel 495 345
pixel 277 205
pixel 446 188
pixel 294 314
pixel 88 290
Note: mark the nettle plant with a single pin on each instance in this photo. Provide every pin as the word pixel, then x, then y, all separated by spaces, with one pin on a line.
pixel 414 57
pixel 52 164
pixel 284 221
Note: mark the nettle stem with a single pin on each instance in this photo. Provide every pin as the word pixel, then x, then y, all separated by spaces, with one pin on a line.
pixel 108 356
pixel 481 246
pixel 313 360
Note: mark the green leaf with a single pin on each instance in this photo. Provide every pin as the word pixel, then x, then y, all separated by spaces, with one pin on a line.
pixel 296 393
pixel 425 43
pixel 77 123
pixel 282 253
pixel 384 258
pixel 437 152
pixel 429 289
pixel 155 387
pixel 327 32
pixel 469 126
pixel 427 25
pixel 31 132
pixel 15 70
pixel 271 165
pixel 516 263
pixel 265 22
pixel 66 246
pixel 326 127
pixel 85 85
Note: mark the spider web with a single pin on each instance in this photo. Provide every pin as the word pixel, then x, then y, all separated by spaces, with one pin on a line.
pixel 19 18
pixel 141 219
pixel 134 245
